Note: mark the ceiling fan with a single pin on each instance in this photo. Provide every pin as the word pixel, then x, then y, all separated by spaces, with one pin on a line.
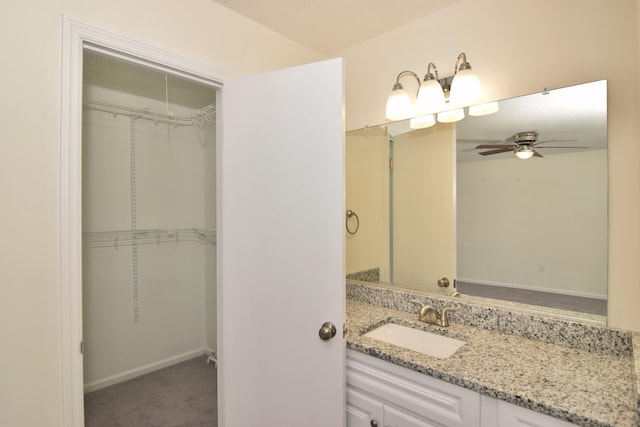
pixel 523 144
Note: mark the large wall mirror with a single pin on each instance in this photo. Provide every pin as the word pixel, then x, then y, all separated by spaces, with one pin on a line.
pixel 454 201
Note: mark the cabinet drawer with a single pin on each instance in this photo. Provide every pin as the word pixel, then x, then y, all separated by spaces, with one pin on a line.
pixel 413 393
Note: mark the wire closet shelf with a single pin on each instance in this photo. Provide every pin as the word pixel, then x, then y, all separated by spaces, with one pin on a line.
pixel 135 237
pixel 201 118
pixel 100 239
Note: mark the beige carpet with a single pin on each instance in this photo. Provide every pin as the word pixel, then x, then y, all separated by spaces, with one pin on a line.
pixel 183 395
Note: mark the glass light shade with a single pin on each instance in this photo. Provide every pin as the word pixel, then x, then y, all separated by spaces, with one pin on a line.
pixel 451 116
pixel 422 122
pixel 465 88
pixel 399 105
pixel 524 152
pixel 484 109
pixel 430 97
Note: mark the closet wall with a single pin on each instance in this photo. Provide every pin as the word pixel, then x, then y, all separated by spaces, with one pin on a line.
pixel 148 222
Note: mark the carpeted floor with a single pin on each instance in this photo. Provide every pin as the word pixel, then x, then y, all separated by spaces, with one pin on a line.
pixel 545 299
pixel 182 395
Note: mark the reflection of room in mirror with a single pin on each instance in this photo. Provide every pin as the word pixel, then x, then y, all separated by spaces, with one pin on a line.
pixel 532 231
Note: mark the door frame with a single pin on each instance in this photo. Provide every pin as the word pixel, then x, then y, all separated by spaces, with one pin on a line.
pixel 76 38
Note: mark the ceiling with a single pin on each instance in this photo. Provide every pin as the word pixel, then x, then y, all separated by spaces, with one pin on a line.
pixel 331 26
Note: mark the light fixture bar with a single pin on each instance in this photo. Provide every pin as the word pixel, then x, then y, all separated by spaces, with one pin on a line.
pixel 444 97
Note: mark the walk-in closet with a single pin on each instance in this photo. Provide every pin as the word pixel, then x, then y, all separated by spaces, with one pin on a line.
pixel 148 221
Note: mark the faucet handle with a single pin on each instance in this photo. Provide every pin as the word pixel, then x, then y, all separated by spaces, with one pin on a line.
pixel 427 313
pixel 418 303
pixel 444 316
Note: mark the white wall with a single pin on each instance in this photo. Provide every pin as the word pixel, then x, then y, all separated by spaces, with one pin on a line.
pixel 424 214
pixel 367 194
pixel 30 34
pixel 561 43
pixel 519 47
pixel 509 210
pixel 423 204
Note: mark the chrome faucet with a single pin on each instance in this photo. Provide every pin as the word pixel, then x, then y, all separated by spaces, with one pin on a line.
pixel 429 314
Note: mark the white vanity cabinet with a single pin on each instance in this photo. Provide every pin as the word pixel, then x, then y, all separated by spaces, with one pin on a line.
pixel 497 413
pixel 363 410
pixel 381 394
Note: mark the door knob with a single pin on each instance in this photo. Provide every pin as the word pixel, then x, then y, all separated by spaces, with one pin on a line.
pixel 327 331
pixel 443 283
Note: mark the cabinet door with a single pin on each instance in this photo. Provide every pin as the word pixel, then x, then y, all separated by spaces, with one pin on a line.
pixel 441 403
pixel 363 410
pixel 496 413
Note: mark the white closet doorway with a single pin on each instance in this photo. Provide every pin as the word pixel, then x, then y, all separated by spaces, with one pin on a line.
pixel 138 201
pixel 148 220
pixel 316 173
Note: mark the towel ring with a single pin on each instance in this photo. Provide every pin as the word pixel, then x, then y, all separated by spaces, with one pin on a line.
pixel 351 213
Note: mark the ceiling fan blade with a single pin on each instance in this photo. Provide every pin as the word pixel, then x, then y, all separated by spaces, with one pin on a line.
pixel 560 147
pixel 501 150
pixel 510 146
pixel 477 141
pixel 536 154
pixel 554 140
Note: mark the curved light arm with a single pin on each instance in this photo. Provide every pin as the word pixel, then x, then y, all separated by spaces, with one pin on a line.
pixel 464 65
pixel 398 85
pixel 429 75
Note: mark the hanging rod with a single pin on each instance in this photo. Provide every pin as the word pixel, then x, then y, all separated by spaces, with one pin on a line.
pixel 116 238
pixel 200 119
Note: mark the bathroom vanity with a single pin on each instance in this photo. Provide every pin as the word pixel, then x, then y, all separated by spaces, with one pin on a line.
pixel 514 368
pixel 383 394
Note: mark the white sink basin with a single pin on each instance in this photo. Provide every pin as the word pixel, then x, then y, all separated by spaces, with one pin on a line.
pixel 414 339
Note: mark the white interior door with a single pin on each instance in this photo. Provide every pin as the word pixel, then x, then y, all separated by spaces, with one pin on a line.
pixel 281 249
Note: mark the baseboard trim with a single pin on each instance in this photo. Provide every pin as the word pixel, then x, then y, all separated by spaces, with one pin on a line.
pixel 141 370
pixel 532 288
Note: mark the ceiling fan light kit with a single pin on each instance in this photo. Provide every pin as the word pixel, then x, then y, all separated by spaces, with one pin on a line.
pixel 524 152
pixel 444 97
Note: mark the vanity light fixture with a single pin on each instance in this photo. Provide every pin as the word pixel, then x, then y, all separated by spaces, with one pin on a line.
pixel 422 122
pixel 484 109
pixel 445 98
pixel 465 87
pixel 399 104
pixel 430 94
pixel 451 116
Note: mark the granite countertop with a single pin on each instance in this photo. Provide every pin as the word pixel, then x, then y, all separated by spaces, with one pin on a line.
pixel 580 386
